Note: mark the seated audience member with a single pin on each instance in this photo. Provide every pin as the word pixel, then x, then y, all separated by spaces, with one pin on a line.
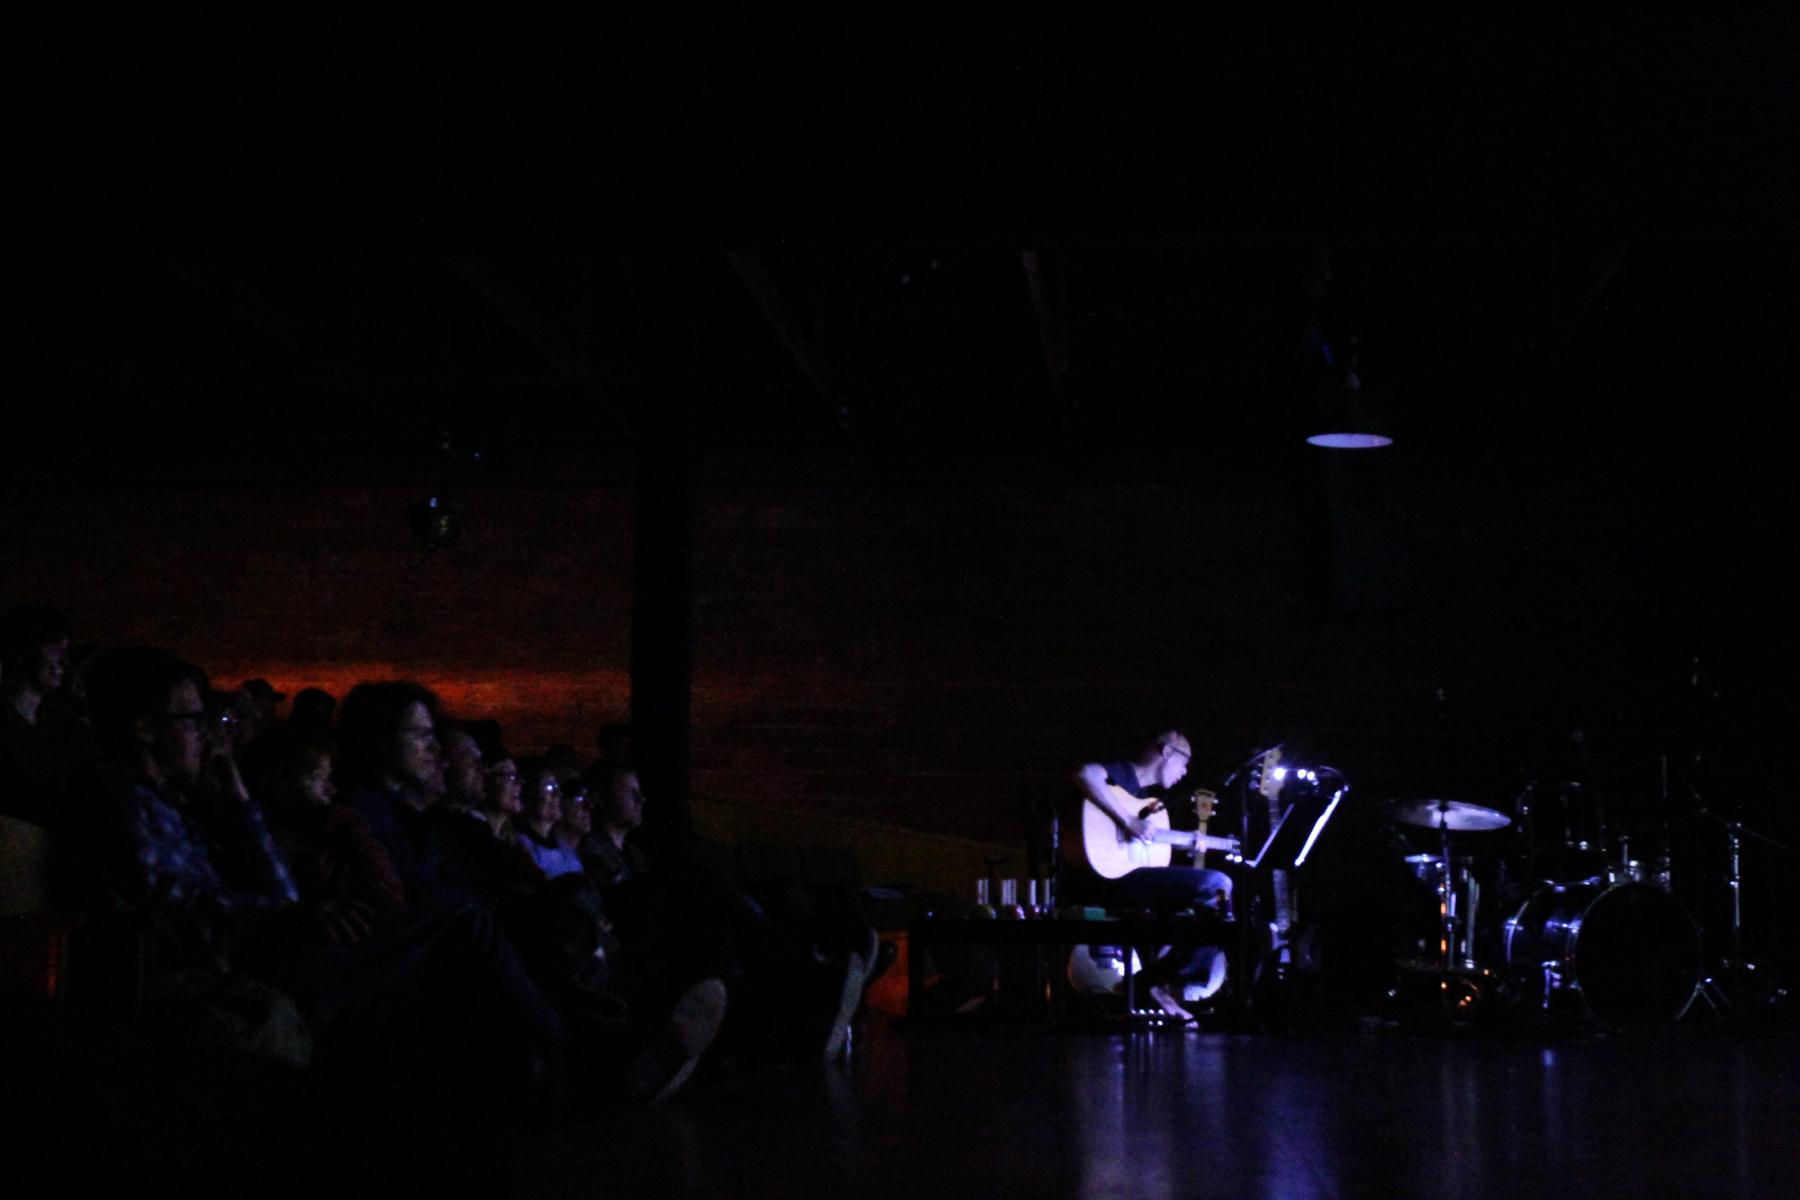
pixel 34 657
pixel 502 796
pixel 150 726
pixel 577 822
pixel 464 779
pixel 65 709
pixel 613 856
pixel 391 771
pixel 341 870
pixel 197 875
pixel 535 827
pixel 40 755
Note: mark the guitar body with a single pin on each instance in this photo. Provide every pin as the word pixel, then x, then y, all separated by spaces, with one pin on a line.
pixel 1109 852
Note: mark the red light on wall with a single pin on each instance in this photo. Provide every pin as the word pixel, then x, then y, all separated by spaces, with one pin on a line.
pixel 537 706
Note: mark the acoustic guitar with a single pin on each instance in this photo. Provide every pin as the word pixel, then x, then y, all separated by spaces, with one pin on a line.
pixel 1111 852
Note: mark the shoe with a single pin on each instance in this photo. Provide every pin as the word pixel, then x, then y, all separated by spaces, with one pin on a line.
pixel 661 1067
pixel 849 998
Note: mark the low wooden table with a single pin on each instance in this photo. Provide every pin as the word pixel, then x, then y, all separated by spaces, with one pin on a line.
pixel 1126 931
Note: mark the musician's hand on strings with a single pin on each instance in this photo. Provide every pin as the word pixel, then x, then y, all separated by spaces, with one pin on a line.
pixel 1138 829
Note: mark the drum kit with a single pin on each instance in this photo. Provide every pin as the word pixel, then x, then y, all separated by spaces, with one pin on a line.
pixel 1590 932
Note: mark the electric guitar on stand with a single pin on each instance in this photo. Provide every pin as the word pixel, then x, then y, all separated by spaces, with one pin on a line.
pixel 1266 779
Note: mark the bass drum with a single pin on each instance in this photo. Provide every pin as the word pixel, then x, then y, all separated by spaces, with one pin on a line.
pixel 1627 956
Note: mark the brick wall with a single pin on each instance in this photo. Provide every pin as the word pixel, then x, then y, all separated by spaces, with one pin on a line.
pixel 911 656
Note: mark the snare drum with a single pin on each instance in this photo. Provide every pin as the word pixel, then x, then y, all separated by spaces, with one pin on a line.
pixel 1451 900
pixel 1626 955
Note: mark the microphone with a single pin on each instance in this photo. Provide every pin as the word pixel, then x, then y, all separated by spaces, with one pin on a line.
pixel 1240 768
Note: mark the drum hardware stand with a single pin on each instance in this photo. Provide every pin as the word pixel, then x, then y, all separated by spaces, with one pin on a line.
pixel 1714 997
pixel 1738 969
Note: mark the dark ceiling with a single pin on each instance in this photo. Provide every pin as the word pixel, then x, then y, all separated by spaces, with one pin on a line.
pixel 302 252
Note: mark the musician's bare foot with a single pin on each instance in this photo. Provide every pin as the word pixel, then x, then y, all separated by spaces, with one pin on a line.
pixel 1170 1004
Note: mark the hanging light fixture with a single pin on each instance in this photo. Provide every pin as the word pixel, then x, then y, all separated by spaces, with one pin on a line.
pixel 1344 421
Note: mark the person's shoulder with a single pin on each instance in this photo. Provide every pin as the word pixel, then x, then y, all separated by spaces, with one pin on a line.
pixel 379 810
pixel 1121 774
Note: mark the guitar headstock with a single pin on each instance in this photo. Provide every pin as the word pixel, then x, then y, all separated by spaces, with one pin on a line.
pixel 1204 802
pixel 1264 776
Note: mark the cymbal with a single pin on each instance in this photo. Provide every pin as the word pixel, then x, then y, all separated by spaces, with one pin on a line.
pixel 1458 816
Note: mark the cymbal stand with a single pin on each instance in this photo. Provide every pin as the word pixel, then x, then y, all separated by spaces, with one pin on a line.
pixel 1458 897
pixel 1459 977
pixel 1447 895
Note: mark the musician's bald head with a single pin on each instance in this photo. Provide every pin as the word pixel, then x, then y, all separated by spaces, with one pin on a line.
pixel 1168 737
pixel 1164 759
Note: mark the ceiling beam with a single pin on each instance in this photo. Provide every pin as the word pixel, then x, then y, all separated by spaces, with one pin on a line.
pixel 807 355
pixel 524 318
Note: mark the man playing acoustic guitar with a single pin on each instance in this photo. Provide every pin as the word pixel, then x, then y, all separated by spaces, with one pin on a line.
pixel 1125 851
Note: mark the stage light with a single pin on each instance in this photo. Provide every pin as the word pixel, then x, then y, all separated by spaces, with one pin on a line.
pixel 1345 421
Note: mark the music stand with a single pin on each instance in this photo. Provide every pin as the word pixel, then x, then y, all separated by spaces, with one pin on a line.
pixel 1289 844
pixel 1291 841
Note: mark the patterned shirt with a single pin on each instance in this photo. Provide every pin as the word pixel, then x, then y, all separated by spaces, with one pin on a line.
pixel 166 860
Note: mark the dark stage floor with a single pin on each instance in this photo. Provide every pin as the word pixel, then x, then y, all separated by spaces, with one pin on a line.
pixel 957 1112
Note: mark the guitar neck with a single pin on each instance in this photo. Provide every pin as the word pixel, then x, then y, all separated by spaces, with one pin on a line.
pixel 1191 841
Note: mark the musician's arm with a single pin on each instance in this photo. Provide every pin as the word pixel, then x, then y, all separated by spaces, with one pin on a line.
pixel 1091 779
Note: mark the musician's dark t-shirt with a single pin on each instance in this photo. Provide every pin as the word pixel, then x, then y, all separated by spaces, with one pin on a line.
pixel 1123 775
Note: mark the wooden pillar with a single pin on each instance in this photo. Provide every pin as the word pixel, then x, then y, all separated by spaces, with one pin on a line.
pixel 662 617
